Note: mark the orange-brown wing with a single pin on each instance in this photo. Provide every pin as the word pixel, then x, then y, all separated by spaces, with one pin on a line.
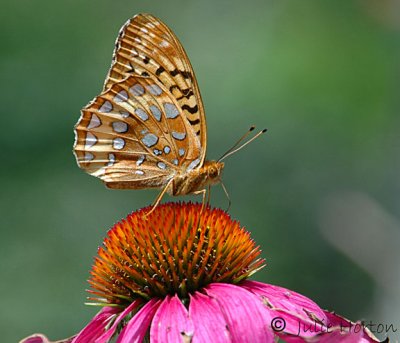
pixel 134 135
pixel 147 47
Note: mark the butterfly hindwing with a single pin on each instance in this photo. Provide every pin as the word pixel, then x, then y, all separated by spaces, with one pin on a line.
pixel 134 135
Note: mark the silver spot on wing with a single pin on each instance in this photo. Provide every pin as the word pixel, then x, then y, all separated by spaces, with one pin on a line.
pixel 111 161
pixel 149 140
pixel 118 143
pixel 121 96
pixel 91 140
pixel 106 107
pixel 180 136
pixel 88 156
pixel 170 110
pixel 137 90
pixel 94 122
pixel 141 114
pixel 161 165
pixel 154 89
pixel 155 112
pixel 120 126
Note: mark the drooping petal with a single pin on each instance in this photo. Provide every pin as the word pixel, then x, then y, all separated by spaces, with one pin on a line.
pixel 108 334
pixel 208 321
pixel 293 328
pixel 341 327
pixel 341 335
pixel 39 338
pixel 298 319
pixel 247 318
pixel 282 298
pixel 137 326
pixel 294 316
pixel 171 322
pixel 96 326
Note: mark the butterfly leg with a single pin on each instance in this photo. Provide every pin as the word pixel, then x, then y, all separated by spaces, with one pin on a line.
pixel 203 192
pixel 209 195
pixel 159 197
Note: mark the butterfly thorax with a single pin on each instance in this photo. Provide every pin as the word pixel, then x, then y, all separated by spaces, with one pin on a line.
pixel 197 179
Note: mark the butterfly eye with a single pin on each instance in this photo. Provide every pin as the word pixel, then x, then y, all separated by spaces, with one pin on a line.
pixel 213 172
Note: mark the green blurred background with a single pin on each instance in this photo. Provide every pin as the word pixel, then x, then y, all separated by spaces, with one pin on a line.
pixel 319 192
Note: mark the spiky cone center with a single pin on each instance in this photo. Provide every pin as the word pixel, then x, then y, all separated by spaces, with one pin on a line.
pixel 179 248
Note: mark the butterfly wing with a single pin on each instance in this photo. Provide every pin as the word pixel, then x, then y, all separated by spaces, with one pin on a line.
pixel 134 135
pixel 147 47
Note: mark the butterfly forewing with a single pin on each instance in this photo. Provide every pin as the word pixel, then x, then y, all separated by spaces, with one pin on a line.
pixel 147 47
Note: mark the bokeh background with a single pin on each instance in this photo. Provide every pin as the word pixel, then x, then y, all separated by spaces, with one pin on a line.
pixel 319 192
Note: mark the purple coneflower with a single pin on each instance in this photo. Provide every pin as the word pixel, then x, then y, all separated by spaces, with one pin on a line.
pixel 180 275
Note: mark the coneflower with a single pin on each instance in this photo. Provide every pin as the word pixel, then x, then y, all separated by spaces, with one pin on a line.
pixel 180 274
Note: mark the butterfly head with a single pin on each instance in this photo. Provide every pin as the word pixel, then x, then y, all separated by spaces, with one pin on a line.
pixel 214 171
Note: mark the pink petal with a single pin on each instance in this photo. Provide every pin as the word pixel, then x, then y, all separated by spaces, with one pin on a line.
pixel 108 334
pixel 171 322
pixel 294 328
pixel 302 320
pixel 351 329
pixel 341 335
pixel 96 326
pixel 282 298
pixel 36 338
pixel 137 326
pixel 294 315
pixel 247 318
pixel 338 336
pixel 208 321
pixel 39 338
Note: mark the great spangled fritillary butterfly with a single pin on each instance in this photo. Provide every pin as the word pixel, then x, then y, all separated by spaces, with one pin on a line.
pixel 147 129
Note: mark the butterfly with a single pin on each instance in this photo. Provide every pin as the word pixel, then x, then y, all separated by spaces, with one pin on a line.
pixel 147 128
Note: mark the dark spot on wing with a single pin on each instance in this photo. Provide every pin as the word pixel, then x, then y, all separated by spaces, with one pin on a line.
pixel 192 110
pixel 194 122
pixel 160 70
pixel 185 74
pixel 131 68
pixel 187 93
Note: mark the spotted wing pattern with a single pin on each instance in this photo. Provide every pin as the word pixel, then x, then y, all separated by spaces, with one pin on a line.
pixel 134 135
pixel 142 130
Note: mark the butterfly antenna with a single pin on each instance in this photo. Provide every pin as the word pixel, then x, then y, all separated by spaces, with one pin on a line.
pixel 238 142
pixel 236 148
